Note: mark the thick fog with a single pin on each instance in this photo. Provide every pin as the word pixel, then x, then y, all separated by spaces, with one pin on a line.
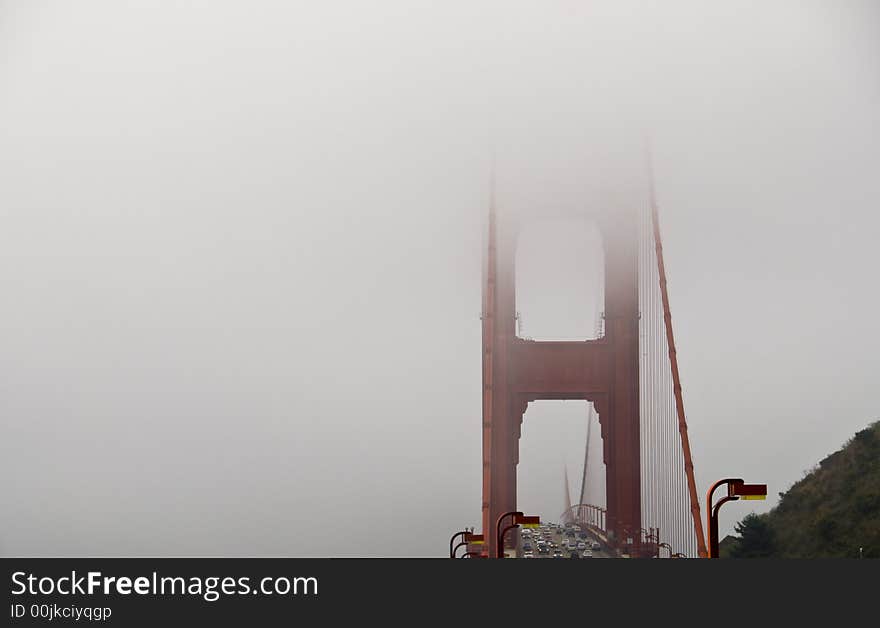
pixel 241 244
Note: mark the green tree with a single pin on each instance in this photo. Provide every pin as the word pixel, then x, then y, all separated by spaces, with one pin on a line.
pixel 756 538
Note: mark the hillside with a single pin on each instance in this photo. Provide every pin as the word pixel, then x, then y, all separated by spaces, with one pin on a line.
pixel 830 513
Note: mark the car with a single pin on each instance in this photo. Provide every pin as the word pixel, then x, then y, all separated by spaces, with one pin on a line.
pixel 574 555
pixel 557 554
pixel 587 554
pixel 581 545
pixel 596 546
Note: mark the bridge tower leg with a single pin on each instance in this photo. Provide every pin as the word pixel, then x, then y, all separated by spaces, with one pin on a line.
pixel 623 468
pixel 500 423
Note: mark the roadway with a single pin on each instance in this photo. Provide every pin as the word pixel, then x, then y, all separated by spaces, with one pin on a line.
pixel 549 541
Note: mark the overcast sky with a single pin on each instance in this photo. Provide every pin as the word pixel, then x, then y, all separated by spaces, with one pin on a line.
pixel 240 252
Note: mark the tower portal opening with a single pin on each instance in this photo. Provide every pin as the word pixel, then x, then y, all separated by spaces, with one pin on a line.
pixel 560 280
pixel 553 446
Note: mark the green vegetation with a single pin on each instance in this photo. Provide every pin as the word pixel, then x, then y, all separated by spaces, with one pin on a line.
pixel 830 513
pixel 756 539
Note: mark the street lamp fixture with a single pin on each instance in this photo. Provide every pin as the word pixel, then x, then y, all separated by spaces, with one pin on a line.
pixel 736 489
pixel 750 491
pixel 469 539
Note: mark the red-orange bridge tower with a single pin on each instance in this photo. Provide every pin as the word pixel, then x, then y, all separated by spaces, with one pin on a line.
pixel 604 371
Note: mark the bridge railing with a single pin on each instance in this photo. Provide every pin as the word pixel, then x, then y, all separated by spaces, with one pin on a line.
pixel 590 517
pixel 639 543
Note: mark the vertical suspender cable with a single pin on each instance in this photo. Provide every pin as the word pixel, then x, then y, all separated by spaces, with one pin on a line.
pixel 656 410
pixel 646 389
pixel 647 315
pixel 652 365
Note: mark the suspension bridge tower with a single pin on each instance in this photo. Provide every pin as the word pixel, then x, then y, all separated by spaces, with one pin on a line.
pixel 604 371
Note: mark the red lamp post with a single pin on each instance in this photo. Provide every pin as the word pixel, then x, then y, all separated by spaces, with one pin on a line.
pixel 452 540
pixel 736 489
pixel 518 519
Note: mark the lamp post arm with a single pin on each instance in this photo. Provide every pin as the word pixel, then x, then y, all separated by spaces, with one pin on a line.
pixel 499 552
pixel 709 510
pixel 452 540
pixel 713 525
pixel 501 540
